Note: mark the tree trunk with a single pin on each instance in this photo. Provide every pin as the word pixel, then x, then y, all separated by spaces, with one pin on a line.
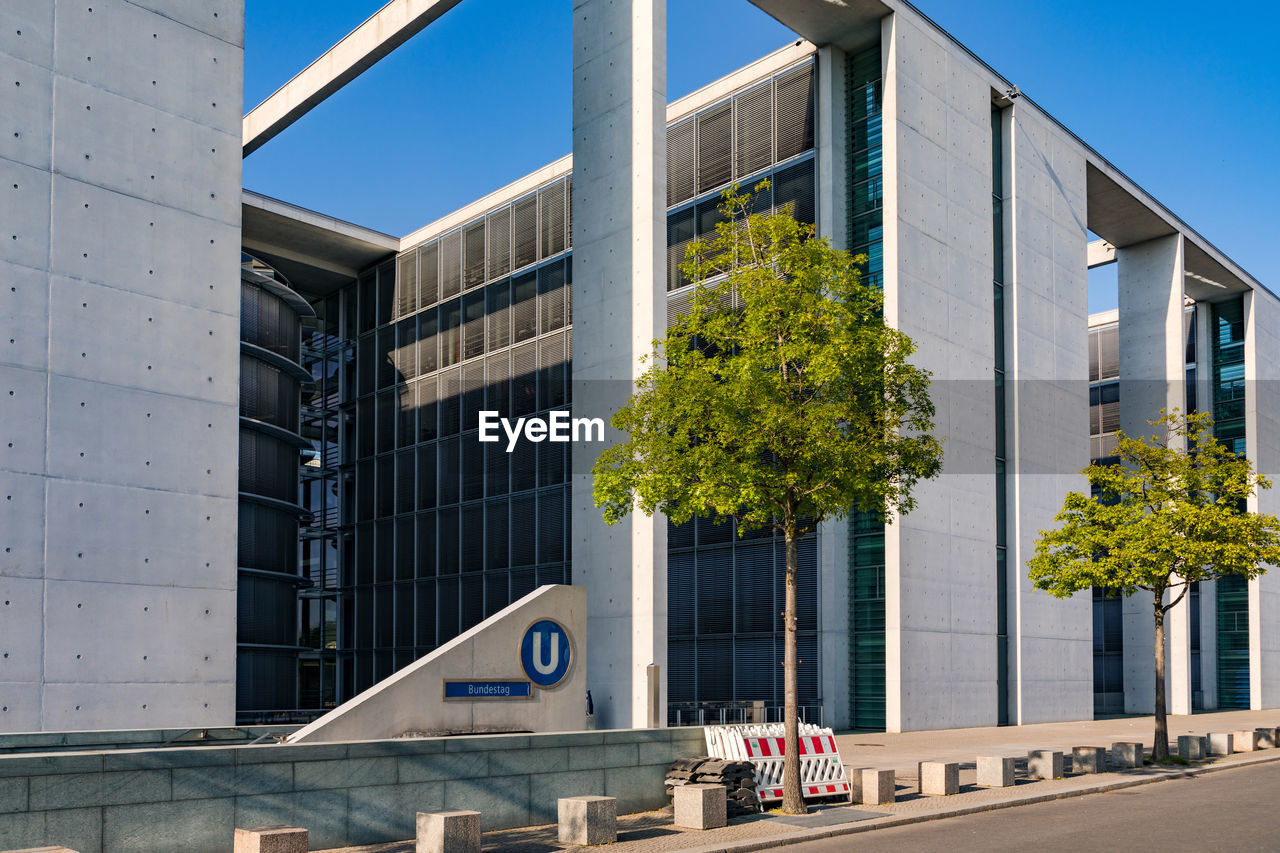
pixel 792 798
pixel 1160 748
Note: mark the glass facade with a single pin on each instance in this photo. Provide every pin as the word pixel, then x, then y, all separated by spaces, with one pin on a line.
pixel 1001 484
pixel 863 88
pixel 271 380
pixel 725 592
pixel 1108 610
pixel 416 531
pixel 1227 345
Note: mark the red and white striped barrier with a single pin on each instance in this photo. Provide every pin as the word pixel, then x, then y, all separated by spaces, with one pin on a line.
pixel 821 770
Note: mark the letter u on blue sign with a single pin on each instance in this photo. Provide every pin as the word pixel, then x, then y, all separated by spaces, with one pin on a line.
pixel 546 653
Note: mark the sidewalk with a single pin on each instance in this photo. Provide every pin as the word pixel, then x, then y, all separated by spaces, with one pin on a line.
pixel 653 832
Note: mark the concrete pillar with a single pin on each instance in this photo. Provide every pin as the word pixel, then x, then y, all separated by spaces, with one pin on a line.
pixel 1208 589
pixel 619 234
pixel 833 536
pixel 1153 377
pixel 1262 446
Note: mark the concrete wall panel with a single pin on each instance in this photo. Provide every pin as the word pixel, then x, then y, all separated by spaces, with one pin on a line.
pixel 145 248
pixel 28 117
pixel 154 344
pixel 183 164
pixel 21 525
pixel 132 345
pixel 1262 423
pixel 24 217
pixel 1047 333
pixel 22 430
pixel 138 448
pixel 24 316
pixel 91 517
pixel 940 602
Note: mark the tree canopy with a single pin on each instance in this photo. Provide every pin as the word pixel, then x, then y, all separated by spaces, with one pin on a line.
pixel 780 399
pixel 1171 512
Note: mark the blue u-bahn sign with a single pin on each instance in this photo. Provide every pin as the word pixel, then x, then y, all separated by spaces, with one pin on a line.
pixel 546 653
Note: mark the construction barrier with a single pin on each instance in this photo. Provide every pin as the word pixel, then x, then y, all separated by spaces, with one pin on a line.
pixel 822 772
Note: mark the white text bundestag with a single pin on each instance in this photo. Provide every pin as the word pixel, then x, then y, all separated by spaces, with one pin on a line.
pixel 557 427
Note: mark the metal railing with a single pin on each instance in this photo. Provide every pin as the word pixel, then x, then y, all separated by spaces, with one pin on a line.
pixel 735 713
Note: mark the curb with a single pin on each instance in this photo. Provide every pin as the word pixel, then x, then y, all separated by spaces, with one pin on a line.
pixel 819 833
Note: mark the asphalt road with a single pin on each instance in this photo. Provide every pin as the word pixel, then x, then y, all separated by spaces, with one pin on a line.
pixel 1232 811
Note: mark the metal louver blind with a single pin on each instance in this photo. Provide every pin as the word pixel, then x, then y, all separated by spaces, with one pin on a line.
pixel 681 163
pixel 500 243
pixel 753 125
pixel 795 112
pixel 428 274
pixel 679 235
pixel 551 298
pixel 451 265
pixel 524 232
pixel 794 185
pixel 473 248
pixel 498 315
pixel 551 525
pixel 406 283
pixel 568 211
pixel 715 147
pixel 552 219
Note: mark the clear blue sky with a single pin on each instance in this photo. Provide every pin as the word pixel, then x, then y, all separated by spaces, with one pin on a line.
pixel 1184 97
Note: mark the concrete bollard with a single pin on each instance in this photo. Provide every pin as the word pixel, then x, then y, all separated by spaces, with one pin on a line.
pixel 700 806
pixel 1220 743
pixel 1245 741
pixel 456 831
pixel 1089 759
pixel 876 787
pixel 995 771
pixel 1044 764
pixel 590 820
pixel 1266 738
pixel 271 839
pixel 939 778
pixel 1192 747
pixel 1125 754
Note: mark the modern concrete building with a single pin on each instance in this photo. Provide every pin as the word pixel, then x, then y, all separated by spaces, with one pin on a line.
pixel 980 216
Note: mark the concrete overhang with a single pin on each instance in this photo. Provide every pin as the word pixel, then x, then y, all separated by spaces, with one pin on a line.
pixel 317 254
pixel 1120 211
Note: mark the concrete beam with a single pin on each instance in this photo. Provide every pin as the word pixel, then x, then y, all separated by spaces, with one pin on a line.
pixel 388 28
pixel 1101 253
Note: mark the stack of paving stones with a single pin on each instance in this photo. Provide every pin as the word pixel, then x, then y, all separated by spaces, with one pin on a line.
pixel 738 778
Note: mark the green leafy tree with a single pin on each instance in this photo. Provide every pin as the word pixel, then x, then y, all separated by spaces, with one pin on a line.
pixel 1169 514
pixel 780 400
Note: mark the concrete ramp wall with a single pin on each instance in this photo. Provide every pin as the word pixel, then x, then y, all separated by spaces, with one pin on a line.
pixel 522 669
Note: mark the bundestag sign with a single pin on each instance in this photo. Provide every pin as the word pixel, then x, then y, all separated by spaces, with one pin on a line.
pixel 546 655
